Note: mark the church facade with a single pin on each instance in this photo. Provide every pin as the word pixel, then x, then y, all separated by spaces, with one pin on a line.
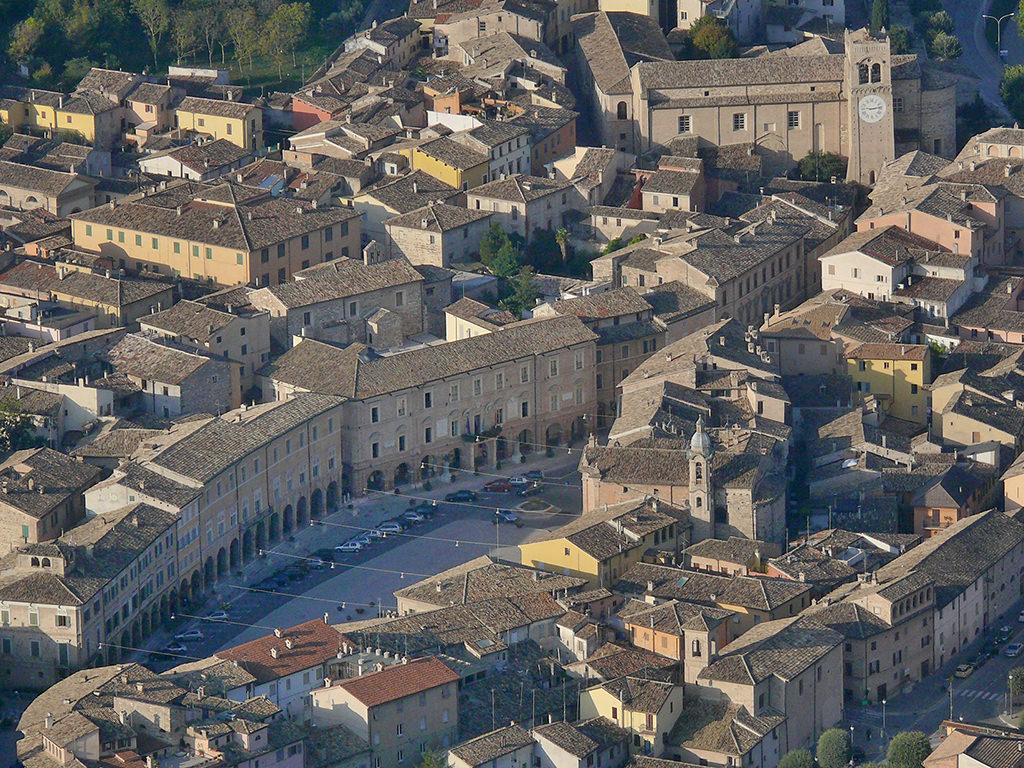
pixel 863 103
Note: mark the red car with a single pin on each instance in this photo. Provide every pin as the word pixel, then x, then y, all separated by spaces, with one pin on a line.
pixel 497 486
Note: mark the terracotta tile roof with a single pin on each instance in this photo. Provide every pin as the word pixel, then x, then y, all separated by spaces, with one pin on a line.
pixel 312 643
pixel 399 681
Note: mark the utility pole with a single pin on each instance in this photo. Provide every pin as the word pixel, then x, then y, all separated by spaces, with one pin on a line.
pixel 951 698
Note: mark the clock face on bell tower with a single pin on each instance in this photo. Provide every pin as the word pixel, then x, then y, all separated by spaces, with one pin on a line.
pixel 871 108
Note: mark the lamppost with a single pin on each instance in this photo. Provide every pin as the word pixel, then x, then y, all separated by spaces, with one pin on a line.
pixel 883 719
pixel 851 746
pixel 999 30
pixel 1009 694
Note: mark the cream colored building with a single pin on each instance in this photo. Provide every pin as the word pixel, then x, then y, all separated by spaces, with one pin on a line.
pixel 646 705
pixel 401 712
pixel 472 401
pixel 236 483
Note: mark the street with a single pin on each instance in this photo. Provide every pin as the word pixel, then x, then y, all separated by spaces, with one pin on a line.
pixel 359 585
pixel 978 57
pixel 978 698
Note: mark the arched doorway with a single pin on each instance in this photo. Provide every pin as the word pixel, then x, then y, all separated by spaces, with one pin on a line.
pixel 274 525
pixel 525 439
pixel 347 484
pixel 375 482
pixel 197 588
pixel 332 496
pixel 579 427
pixel 501 448
pixel 261 534
pixel 234 554
pixel 136 633
pixel 401 474
pixel 145 624
pixel 316 503
pixel 222 563
pixel 553 435
pixel 288 521
pixel 247 549
pixel 208 572
pixel 300 513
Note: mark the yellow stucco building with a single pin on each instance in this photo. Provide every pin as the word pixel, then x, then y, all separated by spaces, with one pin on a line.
pixel 647 705
pixel 896 374
pixel 601 546
pixel 220 232
pixel 451 162
pixel 236 121
pixel 95 118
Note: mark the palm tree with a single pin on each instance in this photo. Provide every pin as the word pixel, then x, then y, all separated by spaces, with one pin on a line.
pixel 562 238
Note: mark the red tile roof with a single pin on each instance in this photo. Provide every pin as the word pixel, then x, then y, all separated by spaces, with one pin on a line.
pixel 399 681
pixel 313 643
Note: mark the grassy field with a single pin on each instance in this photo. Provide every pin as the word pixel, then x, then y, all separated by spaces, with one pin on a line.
pixel 999 8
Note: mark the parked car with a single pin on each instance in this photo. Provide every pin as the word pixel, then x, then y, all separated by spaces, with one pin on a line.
pixel 1003 634
pixel 174 649
pixel 390 527
pixel 218 616
pixel 464 495
pixel 508 517
pixel 426 509
pixel 519 480
pixel 189 634
pixel 534 474
pixel 964 670
pixel 316 564
pixel 497 486
pixel 980 659
pixel 374 533
pixel 530 490
pixel 1013 650
pixel 295 572
pixel 1020 617
pixel 269 584
pixel 327 555
pixel 349 546
pixel 414 516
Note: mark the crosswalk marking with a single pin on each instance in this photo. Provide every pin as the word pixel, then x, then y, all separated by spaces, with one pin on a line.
pixel 976 694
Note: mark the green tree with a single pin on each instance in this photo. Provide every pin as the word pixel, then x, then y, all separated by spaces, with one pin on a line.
pixel 1019 17
pixel 283 31
pixel 1016 681
pixel 797 758
pixel 184 32
pixel 155 17
pixel 244 30
pixel 25 38
pixel 75 70
pixel 879 15
pixel 1012 90
pixel 613 245
pixel 710 38
pixel 16 432
pixel 899 39
pixel 821 166
pixel 43 76
pixel 946 46
pixel 524 293
pixel 492 242
pixel 211 25
pixel 834 749
pixel 908 749
pixel 431 759
pixel 562 238
pixel 507 261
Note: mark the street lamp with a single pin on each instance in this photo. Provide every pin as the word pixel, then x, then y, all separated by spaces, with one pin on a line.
pixel 883 718
pixel 999 29
pixel 851 746
pixel 1009 694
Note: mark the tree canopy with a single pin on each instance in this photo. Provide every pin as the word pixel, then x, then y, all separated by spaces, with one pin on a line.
pixel 908 749
pixel 797 758
pixel 834 749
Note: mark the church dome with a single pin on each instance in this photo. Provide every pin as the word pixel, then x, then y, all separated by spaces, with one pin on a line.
pixel 700 443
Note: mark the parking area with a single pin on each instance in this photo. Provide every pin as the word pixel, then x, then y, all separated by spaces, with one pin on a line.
pixel 305 577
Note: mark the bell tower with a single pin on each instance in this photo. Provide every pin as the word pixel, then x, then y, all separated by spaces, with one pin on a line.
pixel 867 85
pixel 702 498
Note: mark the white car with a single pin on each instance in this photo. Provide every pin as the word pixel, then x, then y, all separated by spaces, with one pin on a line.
pixel 189 634
pixel 519 480
pixel 218 616
pixel 1020 617
pixel 390 527
pixel 349 546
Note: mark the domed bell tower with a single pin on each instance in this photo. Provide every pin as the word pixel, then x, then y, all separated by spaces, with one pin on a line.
pixel 701 496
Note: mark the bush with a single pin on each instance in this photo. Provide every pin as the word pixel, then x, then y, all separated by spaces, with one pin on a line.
pixel 1012 90
pixel 945 46
pixel 908 749
pixel 834 749
pixel 711 38
pixel 899 39
pixel 821 166
pixel 797 758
